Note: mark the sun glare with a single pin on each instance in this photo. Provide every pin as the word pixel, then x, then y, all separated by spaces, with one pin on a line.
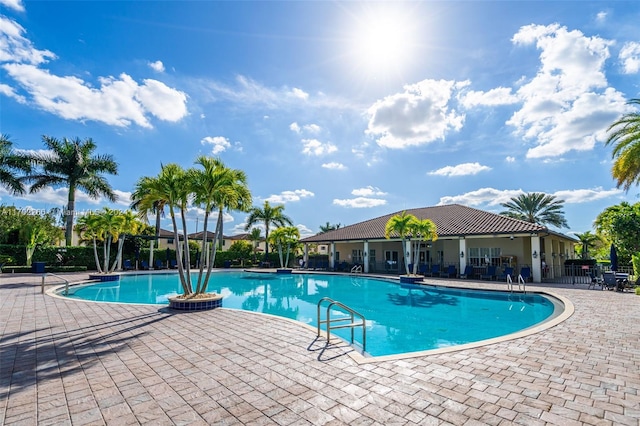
pixel 382 42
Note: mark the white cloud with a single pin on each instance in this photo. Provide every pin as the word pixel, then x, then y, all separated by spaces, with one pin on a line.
pixel 315 147
pixel 568 104
pixel 493 97
pixel 157 66
pixel 218 143
pixel 510 159
pixel 11 93
pixel 59 197
pixel 118 102
pixel 14 47
pixel 368 191
pixel 13 4
pixel 294 127
pixel 300 94
pixel 464 169
pixel 360 202
pixel 289 196
pixel 601 17
pixel 418 116
pixel 579 196
pixel 495 197
pixel 334 166
pixel 630 57
pixel 304 231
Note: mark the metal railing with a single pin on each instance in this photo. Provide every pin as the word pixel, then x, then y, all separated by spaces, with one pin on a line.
pixel 351 324
pixel 66 282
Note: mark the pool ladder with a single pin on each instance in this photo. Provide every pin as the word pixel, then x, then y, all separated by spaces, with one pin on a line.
pixel 521 282
pixel 352 322
pixel 66 282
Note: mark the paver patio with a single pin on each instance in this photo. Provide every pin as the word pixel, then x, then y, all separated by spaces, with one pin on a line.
pixel 72 362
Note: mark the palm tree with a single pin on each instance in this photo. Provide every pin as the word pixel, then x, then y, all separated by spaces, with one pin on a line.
pixel 269 215
pixel 328 227
pixel 172 187
pixel 217 187
pixel 10 164
pixel 588 240
pixel 88 228
pixel 141 189
pixel 400 225
pixel 625 138
pixel 71 163
pixel 255 235
pixel 536 207
pixel 421 230
pixel 285 236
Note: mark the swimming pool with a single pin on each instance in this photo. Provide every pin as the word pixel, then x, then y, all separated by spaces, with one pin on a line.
pixel 400 318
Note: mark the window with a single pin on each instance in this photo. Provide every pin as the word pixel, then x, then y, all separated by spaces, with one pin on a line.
pixel 480 256
pixel 356 256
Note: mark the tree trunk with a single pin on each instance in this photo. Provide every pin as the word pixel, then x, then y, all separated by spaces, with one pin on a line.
pixel 186 286
pixel 71 205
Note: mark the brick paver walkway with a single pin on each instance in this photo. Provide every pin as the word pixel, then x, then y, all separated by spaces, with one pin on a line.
pixel 70 362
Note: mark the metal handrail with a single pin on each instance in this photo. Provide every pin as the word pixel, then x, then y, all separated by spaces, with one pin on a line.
pixel 66 282
pixel 352 324
pixel 356 269
pixel 521 283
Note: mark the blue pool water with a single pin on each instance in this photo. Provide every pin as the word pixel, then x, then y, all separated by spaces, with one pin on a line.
pixel 400 318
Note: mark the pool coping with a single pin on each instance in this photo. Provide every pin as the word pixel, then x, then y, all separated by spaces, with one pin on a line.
pixel 354 354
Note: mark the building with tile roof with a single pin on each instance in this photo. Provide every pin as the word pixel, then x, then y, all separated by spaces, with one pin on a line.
pixel 466 236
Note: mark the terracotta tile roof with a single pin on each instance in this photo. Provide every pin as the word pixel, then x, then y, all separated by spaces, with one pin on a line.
pixel 451 220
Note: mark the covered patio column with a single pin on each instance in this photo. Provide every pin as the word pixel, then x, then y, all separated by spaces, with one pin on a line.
pixel 332 255
pixel 462 247
pixel 305 256
pixel 536 267
pixel 365 259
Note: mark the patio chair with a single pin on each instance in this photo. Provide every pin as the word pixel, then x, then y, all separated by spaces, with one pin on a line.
pixel 144 264
pixel 434 271
pixel 508 271
pixel 451 272
pixel 525 273
pixel 609 281
pixel 468 272
pixel 595 280
pixel 490 274
pixel 173 264
pixel 126 265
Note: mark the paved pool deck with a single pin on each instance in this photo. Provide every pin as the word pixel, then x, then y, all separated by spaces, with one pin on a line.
pixel 70 362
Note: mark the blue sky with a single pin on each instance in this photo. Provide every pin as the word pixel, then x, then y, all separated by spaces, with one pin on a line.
pixel 342 111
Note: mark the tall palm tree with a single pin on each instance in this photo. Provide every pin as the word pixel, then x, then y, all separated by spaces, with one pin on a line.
pixel 89 228
pixel 269 215
pixel 140 190
pixel 400 225
pixel 11 164
pixel 285 236
pixel 625 137
pixel 172 187
pixel 421 230
pixel 536 207
pixel 71 163
pixel 255 235
pixel 328 227
pixel 217 187
pixel 588 240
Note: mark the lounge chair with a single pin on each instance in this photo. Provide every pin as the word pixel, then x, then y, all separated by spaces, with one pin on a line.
pixel 525 273
pixel 490 274
pixel 144 264
pixel 451 272
pixel 468 272
pixel 173 264
pixel 126 265
pixel 434 271
pixel 508 271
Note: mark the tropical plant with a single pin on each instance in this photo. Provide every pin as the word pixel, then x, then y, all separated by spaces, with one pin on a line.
pixel 36 229
pixel 421 230
pixel 214 187
pixel 157 208
pixel 624 136
pixel 329 227
pixel 400 226
pixel 217 187
pixel 268 215
pixel 255 235
pixel 536 207
pixel 588 241
pixel 89 229
pixel 620 225
pixel 285 236
pixel 12 163
pixel 71 163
